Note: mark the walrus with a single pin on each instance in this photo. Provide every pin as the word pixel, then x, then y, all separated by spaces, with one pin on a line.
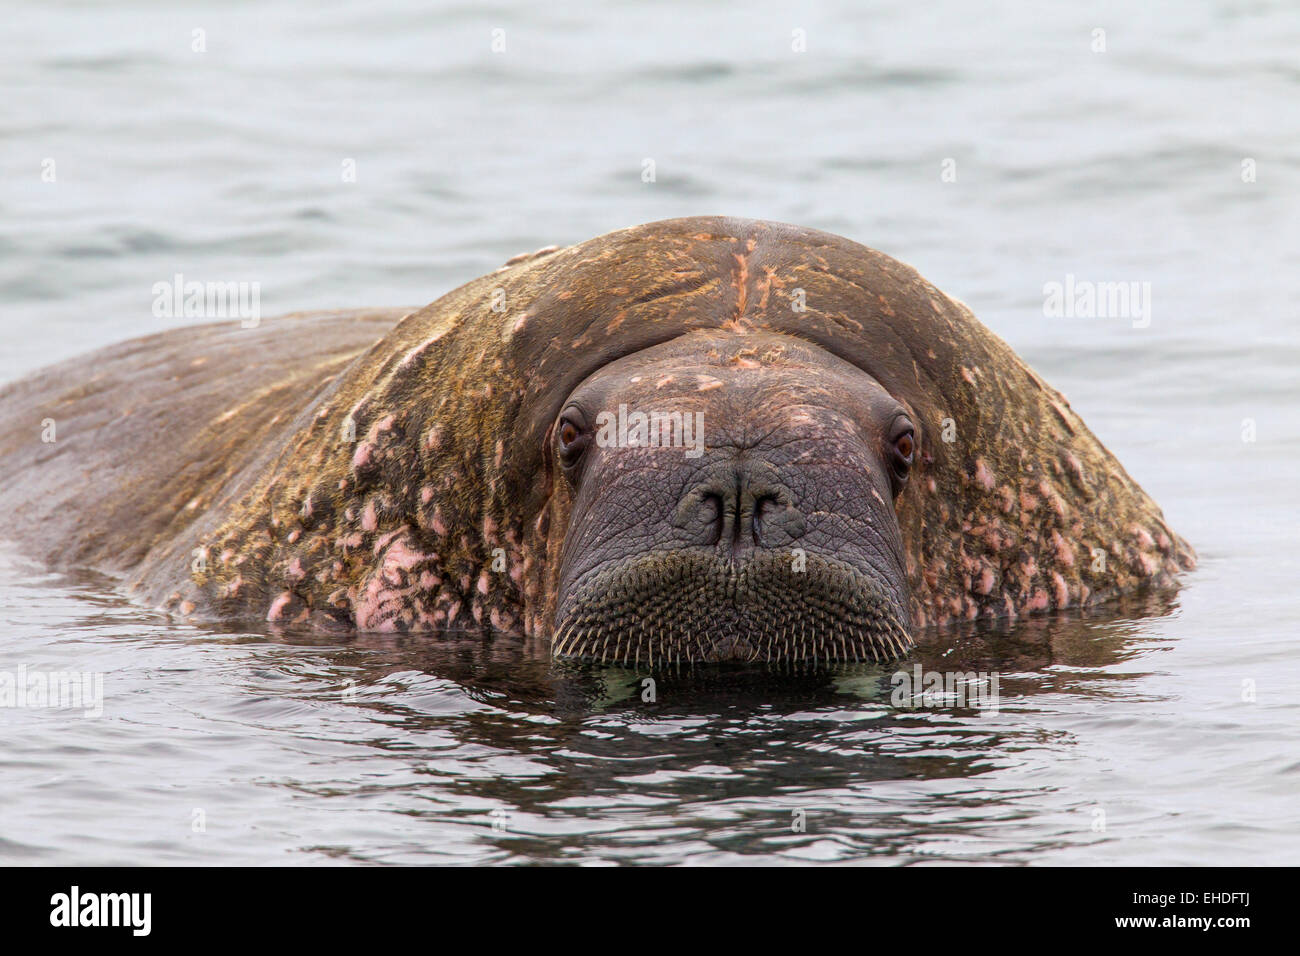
pixel 699 440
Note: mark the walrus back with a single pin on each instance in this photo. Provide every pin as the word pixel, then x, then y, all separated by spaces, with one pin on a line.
pixel 114 459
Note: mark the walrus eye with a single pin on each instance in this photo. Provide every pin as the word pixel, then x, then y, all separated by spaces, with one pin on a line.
pixel 571 440
pixel 902 452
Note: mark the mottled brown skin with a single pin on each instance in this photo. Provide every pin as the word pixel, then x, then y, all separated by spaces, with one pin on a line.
pixel 290 474
pixel 157 438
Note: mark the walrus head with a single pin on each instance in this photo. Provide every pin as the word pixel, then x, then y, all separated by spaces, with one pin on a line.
pixel 732 498
pixel 856 458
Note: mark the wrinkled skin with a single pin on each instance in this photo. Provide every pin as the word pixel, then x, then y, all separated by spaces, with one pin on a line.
pixel 357 471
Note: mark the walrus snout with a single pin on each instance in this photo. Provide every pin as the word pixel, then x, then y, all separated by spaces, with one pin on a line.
pixel 737 507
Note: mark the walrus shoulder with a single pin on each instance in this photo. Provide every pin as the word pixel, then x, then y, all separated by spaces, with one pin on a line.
pixel 80 442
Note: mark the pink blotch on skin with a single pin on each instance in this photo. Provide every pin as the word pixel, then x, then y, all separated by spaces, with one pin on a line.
pixel 401 555
pixel 278 606
pixel 384 540
pixel 1062 590
pixel 362 456
pixel 1064 553
pixel 382 589
pixel 369 522
pixel 1039 602
pixel 983 475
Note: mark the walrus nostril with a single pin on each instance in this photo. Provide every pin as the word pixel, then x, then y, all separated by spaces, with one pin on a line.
pixel 716 515
pixel 715 510
pixel 764 503
pixel 738 512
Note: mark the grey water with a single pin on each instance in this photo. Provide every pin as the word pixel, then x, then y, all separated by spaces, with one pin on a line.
pixel 344 154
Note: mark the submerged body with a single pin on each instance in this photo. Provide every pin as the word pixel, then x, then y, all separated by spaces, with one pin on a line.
pixel 694 440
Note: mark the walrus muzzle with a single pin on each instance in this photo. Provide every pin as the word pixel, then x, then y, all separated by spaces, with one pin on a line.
pixel 684 607
pixel 774 541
